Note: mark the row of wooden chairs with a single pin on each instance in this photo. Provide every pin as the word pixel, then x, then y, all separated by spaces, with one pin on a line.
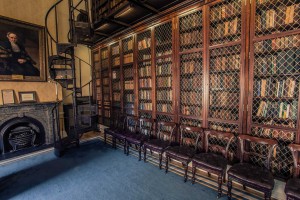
pixel 205 149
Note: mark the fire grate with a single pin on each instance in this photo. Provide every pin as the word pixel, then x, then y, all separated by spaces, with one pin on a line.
pixel 21 137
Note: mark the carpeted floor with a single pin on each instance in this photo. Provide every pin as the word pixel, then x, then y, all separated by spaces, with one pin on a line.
pixel 94 171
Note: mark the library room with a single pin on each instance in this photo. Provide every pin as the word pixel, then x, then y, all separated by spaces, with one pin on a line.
pixel 150 99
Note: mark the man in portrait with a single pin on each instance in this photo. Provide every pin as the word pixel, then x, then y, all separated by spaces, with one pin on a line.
pixel 14 58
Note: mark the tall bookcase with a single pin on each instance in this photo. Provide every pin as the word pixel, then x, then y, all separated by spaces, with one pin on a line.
pixel 191 69
pixel 164 95
pixel 144 64
pixel 115 61
pixel 97 82
pixel 128 76
pixel 274 77
pixel 105 78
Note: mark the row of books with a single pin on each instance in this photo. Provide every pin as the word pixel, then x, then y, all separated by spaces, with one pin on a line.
pixel 104 54
pixel 191 110
pixel 147 82
pixel 283 110
pixel 226 28
pixel 191 38
pixel 145 70
pixel 164 81
pixel 224 81
pixel 127 45
pixel 230 62
pixel 97 66
pixel 223 127
pixel 280 43
pixel 225 11
pixel 164 69
pixel 115 50
pixel 191 83
pixel 116 61
pixel 115 75
pixel 225 51
pixel 106 113
pixel 105 81
pixel 190 122
pixel 164 107
pixel 117 85
pixel 129 98
pixel 128 72
pixel 283 15
pixel 164 52
pixel 162 61
pixel 106 97
pixel 129 112
pixel 106 90
pixel 224 99
pixel 189 67
pixel 144 43
pixel 145 56
pixel 284 62
pixel 104 64
pixel 165 95
pixel 129 85
pixel 223 114
pixel 145 94
pixel 191 21
pixel 145 106
pixel 191 98
pixel 128 58
pixel 275 88
pixel 116 97
pixel 273 133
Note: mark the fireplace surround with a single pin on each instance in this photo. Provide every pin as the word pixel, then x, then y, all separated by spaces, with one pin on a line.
pixel 26 126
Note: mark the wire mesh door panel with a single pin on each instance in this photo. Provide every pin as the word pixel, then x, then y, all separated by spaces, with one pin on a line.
pixel 191 31
pixel 225 22
pixel 128 72
pixel 105 86
pixel 224 86
pixel 276 16
pixel 116 78
pixel 163 52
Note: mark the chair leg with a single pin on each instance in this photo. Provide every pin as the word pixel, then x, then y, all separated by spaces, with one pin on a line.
pixel 127 148
pixel 185 165
pixel 104 138
pixel 145 154
pixel 160 160
pixel 229 187
pixel 268 195
pixel 140 152
pixel 220 185
pixel 193 173
pixel 114 142
pixel 167 163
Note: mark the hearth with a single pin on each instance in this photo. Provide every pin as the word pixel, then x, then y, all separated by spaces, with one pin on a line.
pixel 26 126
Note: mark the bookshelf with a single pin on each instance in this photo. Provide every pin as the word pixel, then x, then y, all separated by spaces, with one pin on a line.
pixel 164 72
pixel 128 76
pixel 97 82
pixel 191 68
pixel 105 78
pixel 274 77
pixel 225 66
pixel 116 78
pixel 145 104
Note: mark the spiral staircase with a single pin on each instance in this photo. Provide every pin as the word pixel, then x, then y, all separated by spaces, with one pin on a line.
pixel 65 68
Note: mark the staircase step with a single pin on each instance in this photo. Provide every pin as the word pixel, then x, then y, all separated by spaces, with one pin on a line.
pixel 59 60
pixel 64 48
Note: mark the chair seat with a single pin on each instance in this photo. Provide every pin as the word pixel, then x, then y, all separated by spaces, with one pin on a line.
pixel 156 144
pixel 253 175
pixel 181 152
pixel 121 135
pixel 134 138
pixel 110 131
pixel 292 187
pixel 210 161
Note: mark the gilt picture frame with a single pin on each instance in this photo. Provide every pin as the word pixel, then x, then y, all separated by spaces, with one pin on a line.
pixel 27 97
pixel 22 51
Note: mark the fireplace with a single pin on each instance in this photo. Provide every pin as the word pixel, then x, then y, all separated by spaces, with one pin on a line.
pixel 26 126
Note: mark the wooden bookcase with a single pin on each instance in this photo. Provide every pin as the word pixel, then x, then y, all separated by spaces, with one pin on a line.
pixel 225 65
pixel 97 82
pixel 274 77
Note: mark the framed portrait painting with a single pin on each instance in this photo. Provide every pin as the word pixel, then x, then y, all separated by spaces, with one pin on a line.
pixel 22 51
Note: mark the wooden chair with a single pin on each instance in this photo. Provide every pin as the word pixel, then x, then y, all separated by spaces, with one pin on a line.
pixel 214 160
pixel 188 147
pixel 248 174
pixel 163 138
pixel 131 123
pixel 292 187
pixel 142 134
pixel 117 124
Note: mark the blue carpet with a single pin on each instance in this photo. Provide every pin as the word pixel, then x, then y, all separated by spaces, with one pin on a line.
pixel 94 171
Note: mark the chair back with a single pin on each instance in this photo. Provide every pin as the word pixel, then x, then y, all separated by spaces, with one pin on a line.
pixel 295 149
pixel 218 142
pixel 121 122
pixel 166 131
pixel 190 136
pixel 131 123
pixel 145 126
pixel 256 150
